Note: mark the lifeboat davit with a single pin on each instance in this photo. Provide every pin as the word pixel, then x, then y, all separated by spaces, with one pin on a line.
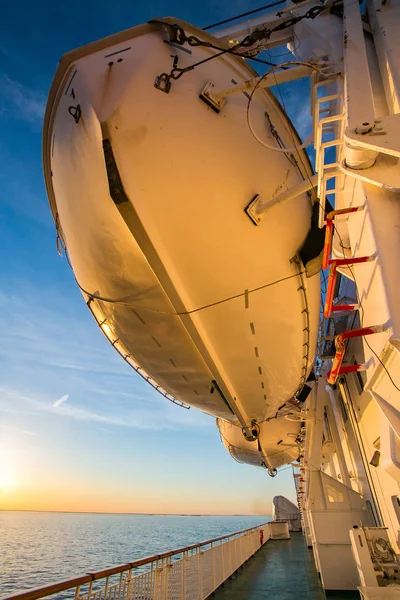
pixel 148 191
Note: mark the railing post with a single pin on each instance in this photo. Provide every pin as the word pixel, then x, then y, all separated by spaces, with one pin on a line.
pixel 151 583
pixel 128 587
pixel 223 552
pixel 200 566
pixel 106 588
pixel 157 594
pixel 213 566
pixel 183 576
pixel 230 556
pixel 132 594
pixel 121 575
pixel 166 576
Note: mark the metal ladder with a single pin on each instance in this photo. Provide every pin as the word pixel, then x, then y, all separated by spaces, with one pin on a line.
pixel 327 111
pixel 300 491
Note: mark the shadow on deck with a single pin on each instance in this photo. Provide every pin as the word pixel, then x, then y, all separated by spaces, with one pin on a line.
pixel 281 570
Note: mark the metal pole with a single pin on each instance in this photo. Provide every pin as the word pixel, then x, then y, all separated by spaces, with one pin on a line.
pixel 200 565
pixel 166 577
pixel 183 576
pixel 213 567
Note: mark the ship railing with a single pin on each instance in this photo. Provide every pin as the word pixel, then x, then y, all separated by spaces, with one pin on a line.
pixel 190 573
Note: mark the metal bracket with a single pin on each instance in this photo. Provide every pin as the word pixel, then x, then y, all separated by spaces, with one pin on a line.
pixel 383 135
pixel 75 112
pixel 251 210
pixel 252 432
pixel 337 368
pixel 163 83
pixel 216 97
pixel 207 96
pixel 384 173
pixel 256 209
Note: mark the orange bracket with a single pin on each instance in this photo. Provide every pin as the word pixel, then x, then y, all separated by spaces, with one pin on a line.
pixel 340 339
pixel 339 262
pixel 329 231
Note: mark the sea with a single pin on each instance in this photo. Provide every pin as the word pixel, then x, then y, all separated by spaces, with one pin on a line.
pixel 38 548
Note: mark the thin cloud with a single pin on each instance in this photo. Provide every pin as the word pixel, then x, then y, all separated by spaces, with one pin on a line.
pixel 140 418
pixel 17 429
pixel 105 391
pixel 91 368
pixel 60 401
pixel 73 412
pixel 20 101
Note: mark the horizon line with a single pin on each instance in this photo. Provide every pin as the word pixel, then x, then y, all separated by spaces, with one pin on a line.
pixel 90 512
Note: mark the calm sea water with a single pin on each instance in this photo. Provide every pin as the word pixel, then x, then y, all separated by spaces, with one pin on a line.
pixel 40 548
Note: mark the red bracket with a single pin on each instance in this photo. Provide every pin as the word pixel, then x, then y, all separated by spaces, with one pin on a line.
pixel 340 339
pixel 339 262
pixel 329 231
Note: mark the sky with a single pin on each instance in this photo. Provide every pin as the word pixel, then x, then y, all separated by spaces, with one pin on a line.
pixel 79 430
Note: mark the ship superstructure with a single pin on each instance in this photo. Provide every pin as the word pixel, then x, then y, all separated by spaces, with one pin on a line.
pixel 204 244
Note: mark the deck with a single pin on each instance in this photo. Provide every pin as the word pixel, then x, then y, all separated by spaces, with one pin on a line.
pixel 280 570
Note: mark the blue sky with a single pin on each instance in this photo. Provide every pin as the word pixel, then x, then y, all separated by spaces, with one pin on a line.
pixel 114 443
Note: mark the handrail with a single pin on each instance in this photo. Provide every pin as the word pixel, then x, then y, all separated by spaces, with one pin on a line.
pixel 61 586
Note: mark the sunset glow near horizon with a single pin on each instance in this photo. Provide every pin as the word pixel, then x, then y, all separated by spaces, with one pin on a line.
pixel 79 430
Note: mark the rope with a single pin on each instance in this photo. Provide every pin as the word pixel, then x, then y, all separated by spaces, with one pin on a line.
pixel 246 14
pixel 188 312
pixel 258 36
pixel 259 140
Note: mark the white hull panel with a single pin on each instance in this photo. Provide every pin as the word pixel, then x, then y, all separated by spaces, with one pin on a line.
pixel 181 239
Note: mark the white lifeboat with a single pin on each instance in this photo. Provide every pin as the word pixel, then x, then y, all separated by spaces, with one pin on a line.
pixel 285 510
pixel 149 190
pixel 276 443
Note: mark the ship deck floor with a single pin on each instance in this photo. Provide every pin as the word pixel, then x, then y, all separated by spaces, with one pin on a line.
pixel 280 570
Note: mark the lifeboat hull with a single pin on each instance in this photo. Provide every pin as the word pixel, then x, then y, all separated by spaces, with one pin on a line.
pixel 278 443
pixel 149 191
